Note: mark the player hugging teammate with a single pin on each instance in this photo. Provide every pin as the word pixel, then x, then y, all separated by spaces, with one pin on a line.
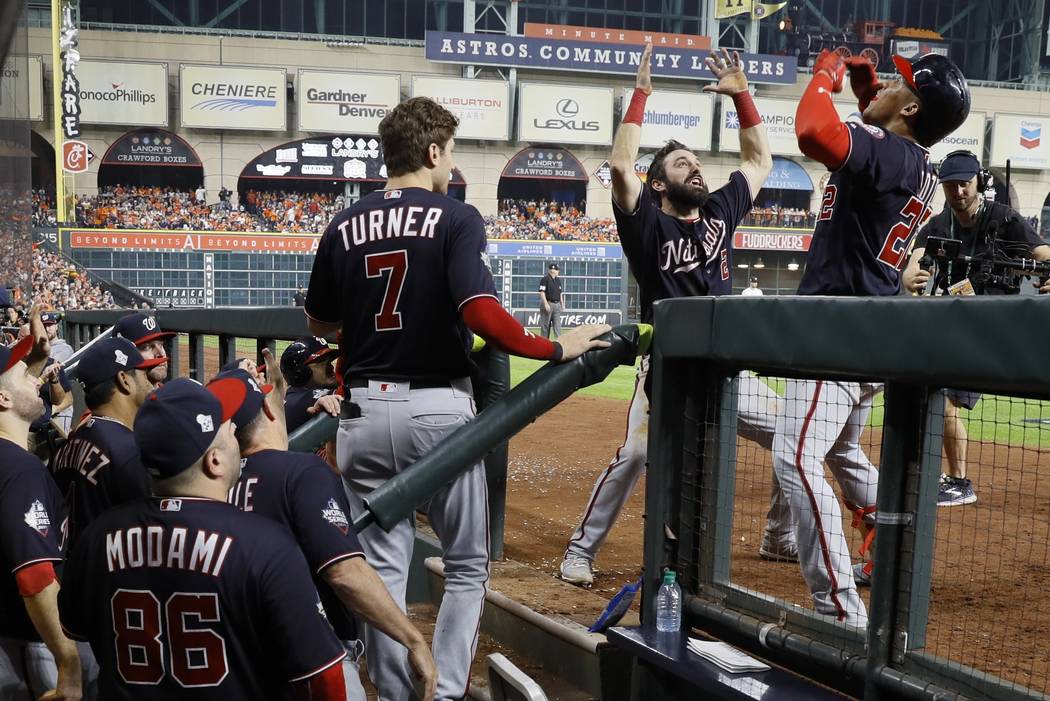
pixel 878 196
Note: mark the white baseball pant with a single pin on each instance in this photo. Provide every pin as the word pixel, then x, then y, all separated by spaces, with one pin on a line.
pixel 821 422
pixel 27 670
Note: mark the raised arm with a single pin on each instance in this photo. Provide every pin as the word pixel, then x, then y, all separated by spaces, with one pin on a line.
pixel 626 187
pixel 756 160
pixel 821 133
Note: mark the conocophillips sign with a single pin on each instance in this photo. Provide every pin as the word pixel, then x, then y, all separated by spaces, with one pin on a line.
pixel 113 92
pixel 568 114
pixel 233 97
pixel 339 102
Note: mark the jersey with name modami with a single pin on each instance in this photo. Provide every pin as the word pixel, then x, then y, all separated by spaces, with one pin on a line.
pixel 394 270
pixel 192 598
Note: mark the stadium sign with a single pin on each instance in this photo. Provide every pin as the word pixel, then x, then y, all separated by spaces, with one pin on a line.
pixel 22 88
pixel 232 97
pixel 1022 139
pixel 544 164
pixel 482 106
pixel 762 240
pixel 778 115
pixel 616 36
pixel 594 57
pixel 172 296
pixel 571 319
pixel 554 249
pixel 69 90
pixel 969 136
pixel 330 101
pixel 687 117
pixel 160 240
pixel 568 114
pixel 125 93
pixel 151 147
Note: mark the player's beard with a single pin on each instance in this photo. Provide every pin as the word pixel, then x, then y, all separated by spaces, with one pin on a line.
pixel 685 198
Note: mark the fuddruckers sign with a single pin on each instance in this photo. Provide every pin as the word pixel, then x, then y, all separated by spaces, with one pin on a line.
pixel 337 102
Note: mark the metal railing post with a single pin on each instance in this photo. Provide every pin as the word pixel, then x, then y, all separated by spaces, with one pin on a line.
pixel 197 357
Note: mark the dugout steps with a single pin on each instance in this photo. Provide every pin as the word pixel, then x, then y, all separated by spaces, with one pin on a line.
pixel 540 618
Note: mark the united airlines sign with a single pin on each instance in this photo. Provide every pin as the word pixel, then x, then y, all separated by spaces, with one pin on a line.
pixel 593 57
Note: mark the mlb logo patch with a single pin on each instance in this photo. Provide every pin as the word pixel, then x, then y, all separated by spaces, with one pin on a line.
pixel 388 387
pixel 1030 136
pixel 171 504
pixel 391 194
pixel 333 513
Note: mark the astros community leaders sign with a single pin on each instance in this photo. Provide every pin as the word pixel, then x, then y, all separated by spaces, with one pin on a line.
pixel 594 57
pixel 133 94
pixel 232 97
pixel 338 102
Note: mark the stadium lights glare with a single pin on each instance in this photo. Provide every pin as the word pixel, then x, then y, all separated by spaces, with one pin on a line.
pixel 792 266
pixel 759 264
pixel 742 265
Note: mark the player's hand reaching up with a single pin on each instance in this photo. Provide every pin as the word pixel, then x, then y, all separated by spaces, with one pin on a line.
pixel 644 80
pixel 831 64
pixel 581 339
pixel 729 70
pixel 862 80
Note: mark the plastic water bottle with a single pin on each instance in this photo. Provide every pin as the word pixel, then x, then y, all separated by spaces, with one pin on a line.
pixel 669 605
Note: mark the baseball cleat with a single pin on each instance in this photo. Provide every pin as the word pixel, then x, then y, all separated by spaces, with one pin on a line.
pixel 576 569
pixel 955 491
pixel 862 578
pixel 776 550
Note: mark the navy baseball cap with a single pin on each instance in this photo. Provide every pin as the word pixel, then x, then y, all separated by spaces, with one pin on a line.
pixel 305 350
pixel 104 359
pixel 254 398
pixel 959 166
pixel 11 355
pixel 178 422
pixel 140 329
pixel 48 318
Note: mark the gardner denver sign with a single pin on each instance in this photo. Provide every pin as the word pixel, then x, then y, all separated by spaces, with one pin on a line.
pixel 345 102
pixel 593 57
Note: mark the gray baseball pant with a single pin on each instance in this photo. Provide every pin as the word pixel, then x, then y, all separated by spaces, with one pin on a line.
pixel 399 425
pixel 551 320
pixel 27 670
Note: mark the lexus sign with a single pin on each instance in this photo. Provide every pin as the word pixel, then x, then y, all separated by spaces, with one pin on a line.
pixel 568 114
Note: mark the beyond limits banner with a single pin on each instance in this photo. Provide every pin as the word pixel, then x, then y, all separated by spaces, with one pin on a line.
pixel 594 57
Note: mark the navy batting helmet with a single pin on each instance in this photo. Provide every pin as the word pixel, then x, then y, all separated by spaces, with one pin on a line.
pixel 942 91
pixel 296 357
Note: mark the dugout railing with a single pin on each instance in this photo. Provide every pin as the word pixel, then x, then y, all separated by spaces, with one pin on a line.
pixel 210 338
pixel 916 347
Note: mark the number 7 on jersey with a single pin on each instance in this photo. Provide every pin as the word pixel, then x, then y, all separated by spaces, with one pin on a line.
pixel 396 262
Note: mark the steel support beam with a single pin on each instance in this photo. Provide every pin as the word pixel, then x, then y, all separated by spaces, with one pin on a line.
pixel 230 9
pixel 159 7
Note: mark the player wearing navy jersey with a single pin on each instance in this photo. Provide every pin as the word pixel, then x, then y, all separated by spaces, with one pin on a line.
pixel 99 466
pixel 403 274
pixel 148 337
pixel 32 540
pixel 299 491
pixel 184 596
pixel 677 238
pixel 308 368
pixel 878 196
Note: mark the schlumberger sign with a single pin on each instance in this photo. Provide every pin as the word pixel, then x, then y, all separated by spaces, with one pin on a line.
pixel 593 57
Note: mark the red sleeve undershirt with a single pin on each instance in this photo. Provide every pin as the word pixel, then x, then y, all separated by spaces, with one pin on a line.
pixel 34 579
pixel 485 317
pixel 821 134
pixel 328 685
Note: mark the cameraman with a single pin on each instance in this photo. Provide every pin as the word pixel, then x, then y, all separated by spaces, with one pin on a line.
pixel 972 220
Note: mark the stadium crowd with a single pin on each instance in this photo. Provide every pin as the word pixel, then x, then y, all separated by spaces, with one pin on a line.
pixel 540 220
pixel 140 207
pixel 774 215
pixel 293 211
pixel 59 284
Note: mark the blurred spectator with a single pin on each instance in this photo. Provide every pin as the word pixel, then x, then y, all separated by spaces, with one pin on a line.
pixel 293 211
pixel 775 215
pixel 44 209
pixel 59 284
pixel 128 207
pixel 541 220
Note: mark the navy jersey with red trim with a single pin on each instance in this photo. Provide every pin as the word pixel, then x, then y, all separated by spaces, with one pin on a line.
pixel 672 257
pixel 297 401
pixel 98 468
pixel 871 208
pixel 300 491
pixel 181 596
pixel 394 270
pixel 33 528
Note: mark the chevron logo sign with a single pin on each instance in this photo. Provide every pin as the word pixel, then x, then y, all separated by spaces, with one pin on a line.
pixel 1030 135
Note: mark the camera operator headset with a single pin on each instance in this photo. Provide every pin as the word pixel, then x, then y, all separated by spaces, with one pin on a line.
pixel 972 217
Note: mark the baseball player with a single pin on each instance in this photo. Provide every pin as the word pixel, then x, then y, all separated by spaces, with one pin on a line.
pixel 308 368
pixel 184 596
pixel 677 237
pixel 403 274
pixel 99 466
pixel 299 491
pixel 33 533
pixel 142 330
pixel 878 196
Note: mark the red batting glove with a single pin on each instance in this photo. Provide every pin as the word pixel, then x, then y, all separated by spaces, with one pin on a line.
pixel 831 64
pixel 862 80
